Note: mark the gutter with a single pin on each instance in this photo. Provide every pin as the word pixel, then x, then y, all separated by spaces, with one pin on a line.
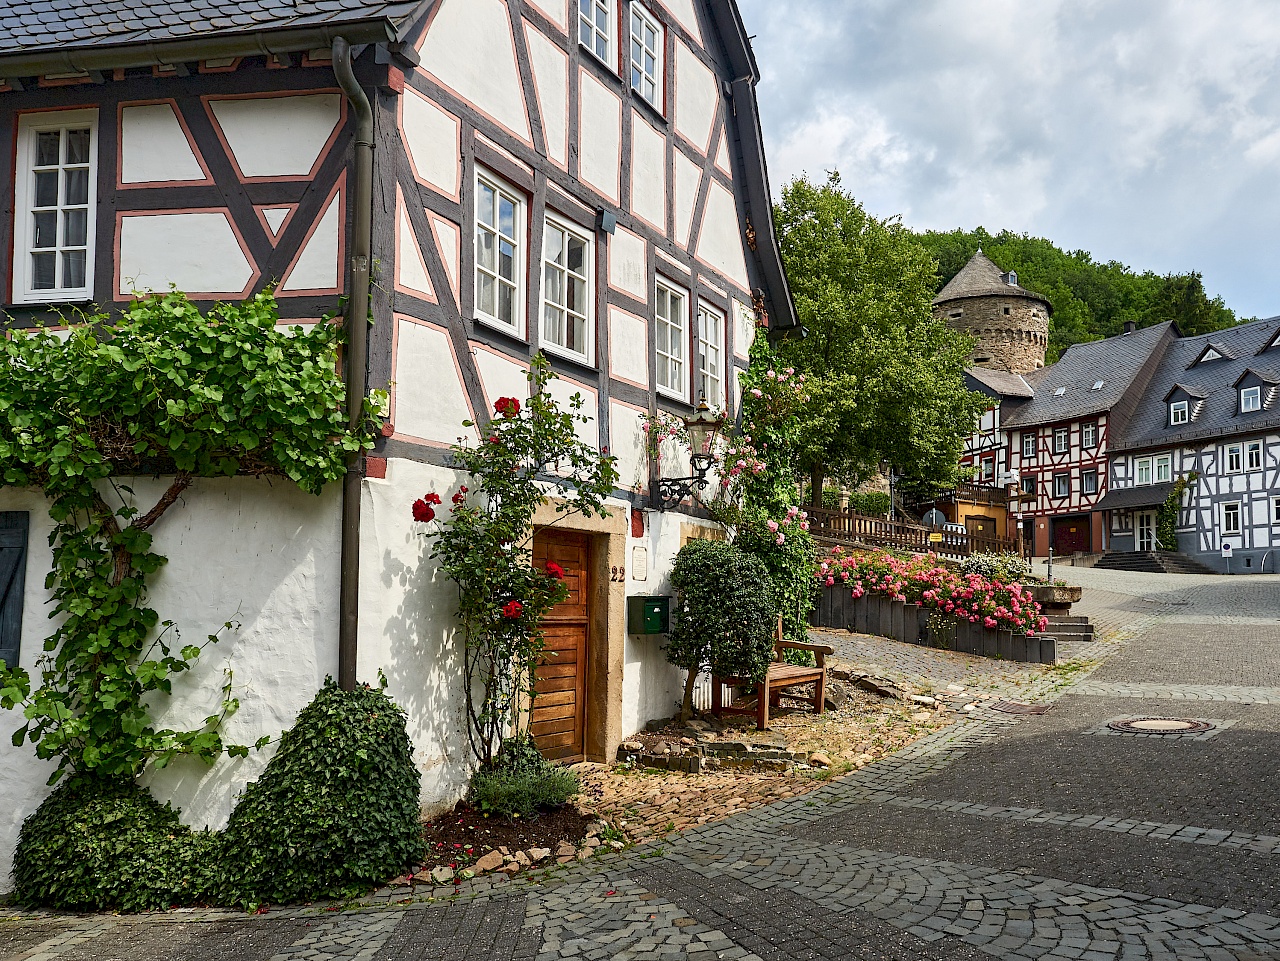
pixel 169 52
pixel 355 361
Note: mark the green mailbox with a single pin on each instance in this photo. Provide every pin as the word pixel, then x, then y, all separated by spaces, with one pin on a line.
pixel 648 615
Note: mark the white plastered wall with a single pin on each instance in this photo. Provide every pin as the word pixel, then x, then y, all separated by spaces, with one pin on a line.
pixel 469 48
pixel 651 686
pixel 262 553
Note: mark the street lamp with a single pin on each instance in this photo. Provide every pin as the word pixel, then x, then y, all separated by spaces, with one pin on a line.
pixel 703 427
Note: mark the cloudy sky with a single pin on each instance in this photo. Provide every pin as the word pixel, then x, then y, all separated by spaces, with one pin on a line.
pixel 1145 131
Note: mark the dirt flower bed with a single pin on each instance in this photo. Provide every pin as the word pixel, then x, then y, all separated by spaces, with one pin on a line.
pixel 648 804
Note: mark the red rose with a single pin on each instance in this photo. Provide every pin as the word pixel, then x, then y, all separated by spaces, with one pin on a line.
pixel 458 498
pixel 422 511
pixel 463 488
pixel 432 498
pixel 512 609
pixel 555 570
pixel 494 439
pixel 507 406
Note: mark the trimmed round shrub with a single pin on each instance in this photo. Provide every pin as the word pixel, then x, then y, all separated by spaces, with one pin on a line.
pixel 335 812
pixel 98 844
pixel 725 614
pixel 520 782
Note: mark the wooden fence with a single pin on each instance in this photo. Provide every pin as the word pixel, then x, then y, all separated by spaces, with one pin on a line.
pixel 837 608
pixel 844 527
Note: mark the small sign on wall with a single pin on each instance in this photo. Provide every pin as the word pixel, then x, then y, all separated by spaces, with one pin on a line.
pixel 1226 550
pixel 639 563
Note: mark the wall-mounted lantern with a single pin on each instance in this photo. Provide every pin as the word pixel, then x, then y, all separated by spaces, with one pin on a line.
pixel 703 427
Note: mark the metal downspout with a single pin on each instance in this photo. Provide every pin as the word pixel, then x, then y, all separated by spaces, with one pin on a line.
pixel 357 332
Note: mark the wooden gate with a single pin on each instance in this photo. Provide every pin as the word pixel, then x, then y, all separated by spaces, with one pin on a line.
pixel 559 709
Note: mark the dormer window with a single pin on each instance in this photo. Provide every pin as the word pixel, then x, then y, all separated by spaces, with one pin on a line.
pixel 1059 391
pixel 1250 399
pixel 1179 413
pixel 1210 354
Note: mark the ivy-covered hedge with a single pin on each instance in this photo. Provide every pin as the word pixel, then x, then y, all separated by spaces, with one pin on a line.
pixel 334 814
pixel 105 844
pixel 336 810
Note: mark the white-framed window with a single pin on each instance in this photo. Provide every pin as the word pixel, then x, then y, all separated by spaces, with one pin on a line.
pixel 710 355
pixel 1061 485
pixel 987 469
pixel 1179 413
pixel 1142 469
pixel 1089 435
pixel 500 271
pixel 1061 440
pixel 1235 458
pixel 567 268
pixel 646 55
pixel 1231 518
pixel 56 194
pixel 1253 455
pixel 1275 510
pixel 1250 399
pixel 595 28
pixel 1029 446
pixel 672 337
pixel 1089 482
pixel 1163 468
pixel 1028 484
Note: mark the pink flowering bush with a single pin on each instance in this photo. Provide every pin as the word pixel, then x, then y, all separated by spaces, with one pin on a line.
pixel 922 579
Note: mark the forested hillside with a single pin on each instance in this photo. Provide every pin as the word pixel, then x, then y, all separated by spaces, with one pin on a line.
pixel 1090 300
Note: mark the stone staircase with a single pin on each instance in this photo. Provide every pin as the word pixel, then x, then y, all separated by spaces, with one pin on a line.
pixel 1069 628
pixel 1151 562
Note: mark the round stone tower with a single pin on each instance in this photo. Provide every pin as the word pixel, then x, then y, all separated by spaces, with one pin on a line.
pixel 1010 323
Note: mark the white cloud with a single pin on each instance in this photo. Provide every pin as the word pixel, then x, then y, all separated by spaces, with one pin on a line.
pixel 1143 130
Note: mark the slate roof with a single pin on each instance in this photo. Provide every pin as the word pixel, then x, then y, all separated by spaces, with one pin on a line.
pixel 1127 498
pixel 1215 380
pixel 29 26
pixel 997 383
pixel 1115 361
pixel 980 277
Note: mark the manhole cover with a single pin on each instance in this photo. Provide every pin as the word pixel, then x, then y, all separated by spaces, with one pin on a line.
pixel 1015 707
pixel 1160 725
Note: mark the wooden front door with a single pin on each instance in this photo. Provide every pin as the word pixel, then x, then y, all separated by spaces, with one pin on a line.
pixel 559 709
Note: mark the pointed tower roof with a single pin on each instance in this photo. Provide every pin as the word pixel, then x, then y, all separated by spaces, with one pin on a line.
pixel 980 277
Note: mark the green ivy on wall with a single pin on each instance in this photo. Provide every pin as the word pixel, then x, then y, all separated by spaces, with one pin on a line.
pixel 163 390
pixel 1167 514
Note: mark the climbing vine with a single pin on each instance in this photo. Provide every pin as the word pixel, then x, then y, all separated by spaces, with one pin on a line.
pixel 1167 514
pixel 161 391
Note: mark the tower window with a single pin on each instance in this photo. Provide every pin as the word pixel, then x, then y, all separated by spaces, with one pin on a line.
pixel 1006 311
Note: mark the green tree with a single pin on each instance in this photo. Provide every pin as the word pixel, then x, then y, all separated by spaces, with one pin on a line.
pixel 884 379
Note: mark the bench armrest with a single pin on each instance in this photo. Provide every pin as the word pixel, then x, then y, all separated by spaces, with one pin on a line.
pixel 819 650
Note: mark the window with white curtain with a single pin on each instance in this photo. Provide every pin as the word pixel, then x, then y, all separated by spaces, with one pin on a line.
pixel 566 291
pixel 500 214
pixel 710 355
pixel 672 336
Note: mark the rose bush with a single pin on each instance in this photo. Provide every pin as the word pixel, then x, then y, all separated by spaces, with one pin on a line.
pixel 922 579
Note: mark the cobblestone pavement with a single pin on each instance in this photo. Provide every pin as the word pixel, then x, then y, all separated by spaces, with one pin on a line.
pixel 1006 836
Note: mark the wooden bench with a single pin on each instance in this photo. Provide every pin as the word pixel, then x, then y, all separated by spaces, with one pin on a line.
pixel 781 676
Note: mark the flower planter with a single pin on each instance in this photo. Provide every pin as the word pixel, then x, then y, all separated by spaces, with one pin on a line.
pixel 1056 597
pixel 912 624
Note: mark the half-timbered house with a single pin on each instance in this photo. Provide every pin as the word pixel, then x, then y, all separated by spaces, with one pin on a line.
pixel 1209 416
pixel 583 178
pixel 1060 437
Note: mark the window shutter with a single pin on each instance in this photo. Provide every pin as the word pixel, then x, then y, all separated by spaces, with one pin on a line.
pixel 13 571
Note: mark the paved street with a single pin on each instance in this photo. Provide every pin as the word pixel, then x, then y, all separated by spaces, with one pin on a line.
pixel 1051 836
